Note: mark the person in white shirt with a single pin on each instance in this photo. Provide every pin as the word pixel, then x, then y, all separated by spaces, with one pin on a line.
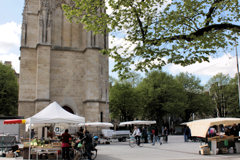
pixel 137 135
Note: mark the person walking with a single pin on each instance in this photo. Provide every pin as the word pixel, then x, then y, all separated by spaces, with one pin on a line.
pixel 186 133
pixel 156 137
pixel 137 135
pixel 145 135
pixel 88 143
pixel 152 133
pixel 165 132
pixel 65 144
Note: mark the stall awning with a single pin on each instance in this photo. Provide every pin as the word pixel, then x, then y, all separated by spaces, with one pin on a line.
pixel 200 127
pixel 14 121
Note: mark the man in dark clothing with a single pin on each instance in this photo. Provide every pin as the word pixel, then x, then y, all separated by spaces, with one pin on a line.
pixel 234 131
pixel 187 133
pixel 145 135
pixel 165 132
pixel 80 133
pixel 88 143
pixel 65 144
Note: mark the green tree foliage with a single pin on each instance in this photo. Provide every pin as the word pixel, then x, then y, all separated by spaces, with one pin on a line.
pixel 198 101
pixel 161 95
pixel 8 91
pixel 123 103
pixel 160 31
pixel 218 89
pixel 232 103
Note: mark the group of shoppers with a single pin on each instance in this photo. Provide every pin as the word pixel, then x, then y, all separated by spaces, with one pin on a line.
pixel 153 132
pixel 227 131
pixel 84 137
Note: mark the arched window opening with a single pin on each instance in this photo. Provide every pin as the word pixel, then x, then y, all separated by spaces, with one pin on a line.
pixel 68 109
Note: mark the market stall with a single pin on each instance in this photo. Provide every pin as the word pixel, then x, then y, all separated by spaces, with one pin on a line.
pixel 122 135
pixel 52 114
pixel 96 124
pixel 219 140
pixel 11 142
pixel 99 125
pixel 137 122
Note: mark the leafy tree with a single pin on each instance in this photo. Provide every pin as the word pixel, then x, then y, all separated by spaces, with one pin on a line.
pixel 218 89
pixel 232 109
pixel 123 101
pixel 161 95
pixel 160 31
pixel 8 91
pixel 198 102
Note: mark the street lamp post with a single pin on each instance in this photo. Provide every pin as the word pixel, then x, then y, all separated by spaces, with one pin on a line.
pixel 106 101
pixel 238 79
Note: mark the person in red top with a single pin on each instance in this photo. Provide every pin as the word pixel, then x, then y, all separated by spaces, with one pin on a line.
pixel 65 144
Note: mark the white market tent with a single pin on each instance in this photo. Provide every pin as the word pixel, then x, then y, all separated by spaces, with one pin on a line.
pixel 200 127
pixel 137 122
pixel 53 113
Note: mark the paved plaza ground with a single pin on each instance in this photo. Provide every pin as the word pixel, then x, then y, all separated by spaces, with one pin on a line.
pixel 175 149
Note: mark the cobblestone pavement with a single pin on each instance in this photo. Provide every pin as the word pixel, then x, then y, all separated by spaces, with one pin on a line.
pixel 175 149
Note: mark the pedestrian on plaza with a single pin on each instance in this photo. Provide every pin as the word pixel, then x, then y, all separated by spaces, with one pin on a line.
pixel 80 133
pixel 88 143
pixel 32 133
pixel 152 133
pixel 165 133
pixel 137 135
pixel 156 137
pixel 187 133
pixel 66 137
pixel 145 135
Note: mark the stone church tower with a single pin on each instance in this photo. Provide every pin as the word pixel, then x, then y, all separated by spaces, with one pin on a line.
pixel 60 61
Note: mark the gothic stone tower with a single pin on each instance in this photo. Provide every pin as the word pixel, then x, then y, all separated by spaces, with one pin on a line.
pixel 60 61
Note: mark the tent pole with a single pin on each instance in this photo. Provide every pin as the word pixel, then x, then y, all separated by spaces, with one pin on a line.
pixel 29 148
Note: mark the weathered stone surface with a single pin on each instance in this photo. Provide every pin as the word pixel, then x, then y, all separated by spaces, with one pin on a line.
pixel 61 62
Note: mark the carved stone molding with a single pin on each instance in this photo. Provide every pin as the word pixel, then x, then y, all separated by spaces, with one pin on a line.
pixel 59 3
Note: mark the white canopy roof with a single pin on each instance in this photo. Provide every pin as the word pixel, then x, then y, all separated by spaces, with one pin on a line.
pixel 200 127
pixel 97 124
pixel 137 122
pixel 54 113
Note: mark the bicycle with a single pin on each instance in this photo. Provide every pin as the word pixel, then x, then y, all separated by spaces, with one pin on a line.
pixel 133 142
pixel 80 153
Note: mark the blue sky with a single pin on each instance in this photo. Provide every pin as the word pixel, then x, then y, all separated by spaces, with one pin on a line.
pixel 10 33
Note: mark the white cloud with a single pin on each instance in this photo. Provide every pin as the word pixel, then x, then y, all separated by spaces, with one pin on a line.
pixel 10 37
pixel 225 64
pixel 9 44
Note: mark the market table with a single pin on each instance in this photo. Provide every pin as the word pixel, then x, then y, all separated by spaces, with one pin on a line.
pixel 47 151
pixel 221 142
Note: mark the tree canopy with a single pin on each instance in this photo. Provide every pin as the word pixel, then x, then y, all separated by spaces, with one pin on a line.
pixel 159 32
pixel 198 101
pixel 8 91
pixel 224 92
pixel 123 101
pixel 161 95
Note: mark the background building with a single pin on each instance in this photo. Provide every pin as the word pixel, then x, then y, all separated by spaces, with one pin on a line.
pixel 60 61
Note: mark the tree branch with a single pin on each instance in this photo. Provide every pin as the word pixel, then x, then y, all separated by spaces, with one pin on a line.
pixel 198 33
pixel 211 11
pixel 140 24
